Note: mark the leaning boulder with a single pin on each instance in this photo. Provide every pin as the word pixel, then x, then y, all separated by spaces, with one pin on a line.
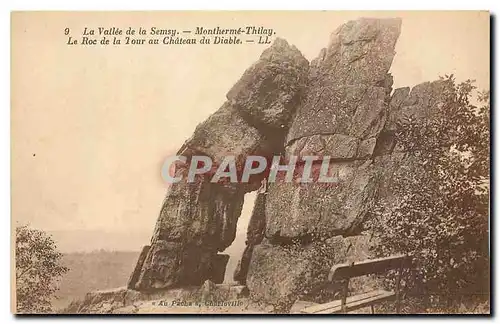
pixel 198 220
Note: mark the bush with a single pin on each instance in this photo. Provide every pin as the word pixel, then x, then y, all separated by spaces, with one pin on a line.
pixel 440 214
pixel 38 267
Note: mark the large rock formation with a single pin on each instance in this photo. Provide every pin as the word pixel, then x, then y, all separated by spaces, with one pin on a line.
pixel 198 220
pixel 341 118
pixel 339 107
pixel 343 113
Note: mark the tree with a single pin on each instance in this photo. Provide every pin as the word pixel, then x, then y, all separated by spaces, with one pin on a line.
pixel 38 267
pixel 440 215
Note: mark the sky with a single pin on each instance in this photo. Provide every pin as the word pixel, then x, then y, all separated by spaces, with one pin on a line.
pixel 90 126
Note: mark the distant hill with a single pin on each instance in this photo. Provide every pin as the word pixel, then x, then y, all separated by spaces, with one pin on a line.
pixel 69 241
pixel 95 270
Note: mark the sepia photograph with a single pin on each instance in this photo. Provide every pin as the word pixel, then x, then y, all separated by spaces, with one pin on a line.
pixel 250 162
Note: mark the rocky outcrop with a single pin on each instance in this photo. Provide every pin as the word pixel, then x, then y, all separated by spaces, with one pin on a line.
pixel 198 220
pixel 301 220
pixel 344 112
pixel 348 116
pixel 338 108
pixel 349 82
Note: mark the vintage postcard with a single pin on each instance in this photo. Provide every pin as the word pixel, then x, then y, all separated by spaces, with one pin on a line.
pixel 250 162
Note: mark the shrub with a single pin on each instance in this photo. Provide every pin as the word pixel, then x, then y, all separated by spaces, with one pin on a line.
pixel 440 214
pixel 38 267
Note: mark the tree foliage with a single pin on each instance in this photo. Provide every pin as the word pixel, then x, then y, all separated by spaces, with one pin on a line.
pixel 38 267
pixel 440 213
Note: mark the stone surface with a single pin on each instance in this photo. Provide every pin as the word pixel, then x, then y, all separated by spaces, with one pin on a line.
pixel 134 277
pixel 419 105
pixel 336 146
pixel 225 133
pixel 171 264
pixel 280 73
pixel 281 275
pixel 354 110
pixel 161 267
pixel 349 81
pixel 201 213
pixel 207 289
pixel 322 209
pixel 366 148
pixel 277 273
pixel 218 269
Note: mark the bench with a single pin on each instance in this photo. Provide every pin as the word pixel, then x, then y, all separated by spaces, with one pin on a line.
pixel 342 273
